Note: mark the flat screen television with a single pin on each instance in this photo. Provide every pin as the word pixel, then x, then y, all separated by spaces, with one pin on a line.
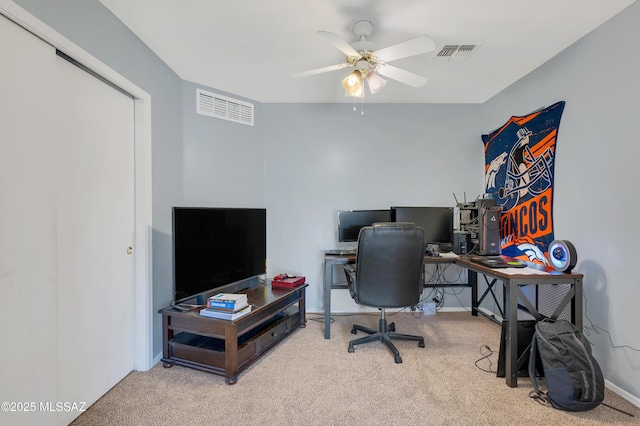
pixel 437 222
pixel 350 222
pixel 217 250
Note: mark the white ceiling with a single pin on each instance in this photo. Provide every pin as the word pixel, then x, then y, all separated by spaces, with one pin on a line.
pixel 251 48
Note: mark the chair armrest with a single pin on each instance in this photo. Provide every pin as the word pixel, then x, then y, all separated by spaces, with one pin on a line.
pixel 350 274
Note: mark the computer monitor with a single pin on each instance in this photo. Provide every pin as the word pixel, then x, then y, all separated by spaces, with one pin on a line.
pixel 350 222
pixel 437 222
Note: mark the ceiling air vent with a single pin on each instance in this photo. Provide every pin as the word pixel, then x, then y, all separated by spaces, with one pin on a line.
pixel 214 105
pixel 455 52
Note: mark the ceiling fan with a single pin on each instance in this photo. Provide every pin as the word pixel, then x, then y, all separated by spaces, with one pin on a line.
pixel 370 64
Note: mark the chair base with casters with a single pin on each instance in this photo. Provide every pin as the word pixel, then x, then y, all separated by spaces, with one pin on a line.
pixel 384 334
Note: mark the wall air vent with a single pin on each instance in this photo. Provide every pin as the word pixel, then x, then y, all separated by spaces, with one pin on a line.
pixel 455 52
pixel 214 105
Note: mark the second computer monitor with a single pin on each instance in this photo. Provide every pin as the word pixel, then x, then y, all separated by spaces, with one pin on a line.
pixel 350 222
pixel 437 222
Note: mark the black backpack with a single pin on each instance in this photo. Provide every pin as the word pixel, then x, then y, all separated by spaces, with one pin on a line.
pixel 573 376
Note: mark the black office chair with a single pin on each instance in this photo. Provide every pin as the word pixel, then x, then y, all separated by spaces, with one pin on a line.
pixel 388 274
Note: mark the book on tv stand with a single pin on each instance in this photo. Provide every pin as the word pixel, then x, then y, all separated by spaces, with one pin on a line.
pixel 212 313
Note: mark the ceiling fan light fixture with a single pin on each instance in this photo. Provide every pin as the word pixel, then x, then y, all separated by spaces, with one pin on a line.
pixel 353 84
pixel 375 82
pixel 363 66
pixel 370 64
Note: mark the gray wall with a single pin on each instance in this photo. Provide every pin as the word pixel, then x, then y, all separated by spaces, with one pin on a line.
pixel 223 160
pixel 94 28
pixel 304 162
pixel 321 158
pixel 595 203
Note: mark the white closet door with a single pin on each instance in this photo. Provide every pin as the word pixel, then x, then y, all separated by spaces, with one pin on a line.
pixel 28 290
pixel 95 134
pixel 66 222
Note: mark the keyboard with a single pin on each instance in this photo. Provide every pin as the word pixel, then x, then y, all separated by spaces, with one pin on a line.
pixel 498 262
pixel 338 252
pixel 350 268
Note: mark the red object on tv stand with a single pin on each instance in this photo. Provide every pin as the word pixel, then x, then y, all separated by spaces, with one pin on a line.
pixel 287 281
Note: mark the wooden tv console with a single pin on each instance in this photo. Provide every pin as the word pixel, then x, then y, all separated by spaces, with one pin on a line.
pixel 226 348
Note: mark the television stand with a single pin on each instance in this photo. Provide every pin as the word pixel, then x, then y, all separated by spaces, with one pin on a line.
pixel 227 348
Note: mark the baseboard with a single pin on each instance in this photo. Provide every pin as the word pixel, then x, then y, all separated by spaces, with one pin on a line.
pixel 624 394
pixel 157 358
pixel 454 309
pixel 490 313
pixel 375 310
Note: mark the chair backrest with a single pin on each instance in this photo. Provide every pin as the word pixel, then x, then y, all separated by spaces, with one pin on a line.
pixel 389 265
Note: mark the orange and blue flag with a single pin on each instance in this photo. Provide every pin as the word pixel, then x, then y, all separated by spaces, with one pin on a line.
pixel 519 174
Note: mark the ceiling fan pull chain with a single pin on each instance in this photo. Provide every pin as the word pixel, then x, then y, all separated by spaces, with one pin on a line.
pixel 362 107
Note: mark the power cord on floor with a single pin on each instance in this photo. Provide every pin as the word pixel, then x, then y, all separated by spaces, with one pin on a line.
pixel 617 409
pixel 486 352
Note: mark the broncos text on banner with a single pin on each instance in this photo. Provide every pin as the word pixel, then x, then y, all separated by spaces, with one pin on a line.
pixel 519 174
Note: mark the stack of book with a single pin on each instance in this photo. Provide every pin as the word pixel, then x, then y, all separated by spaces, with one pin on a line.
pixel 227 306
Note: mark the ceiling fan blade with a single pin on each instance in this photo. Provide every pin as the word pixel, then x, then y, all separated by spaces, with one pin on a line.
pixel 321 70
pixel 413 47
pixel 402 76
pixel 340 43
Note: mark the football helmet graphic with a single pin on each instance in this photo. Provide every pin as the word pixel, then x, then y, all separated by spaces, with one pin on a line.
pixel 525 172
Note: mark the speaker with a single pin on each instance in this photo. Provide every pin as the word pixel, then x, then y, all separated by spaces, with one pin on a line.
pixel 461 242
pixel 489 231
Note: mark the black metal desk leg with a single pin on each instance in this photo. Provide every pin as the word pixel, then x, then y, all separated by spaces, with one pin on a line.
pixel 328 280
pixel 472 279
pixel 576 303
pixel 511 345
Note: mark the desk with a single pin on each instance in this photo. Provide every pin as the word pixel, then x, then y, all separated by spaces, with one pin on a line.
pixel 331 260
pixel 512 283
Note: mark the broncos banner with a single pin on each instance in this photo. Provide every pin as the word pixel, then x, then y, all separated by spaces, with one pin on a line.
pixel 519 171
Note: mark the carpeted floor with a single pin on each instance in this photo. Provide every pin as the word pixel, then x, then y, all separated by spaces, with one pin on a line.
pixel 309 380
